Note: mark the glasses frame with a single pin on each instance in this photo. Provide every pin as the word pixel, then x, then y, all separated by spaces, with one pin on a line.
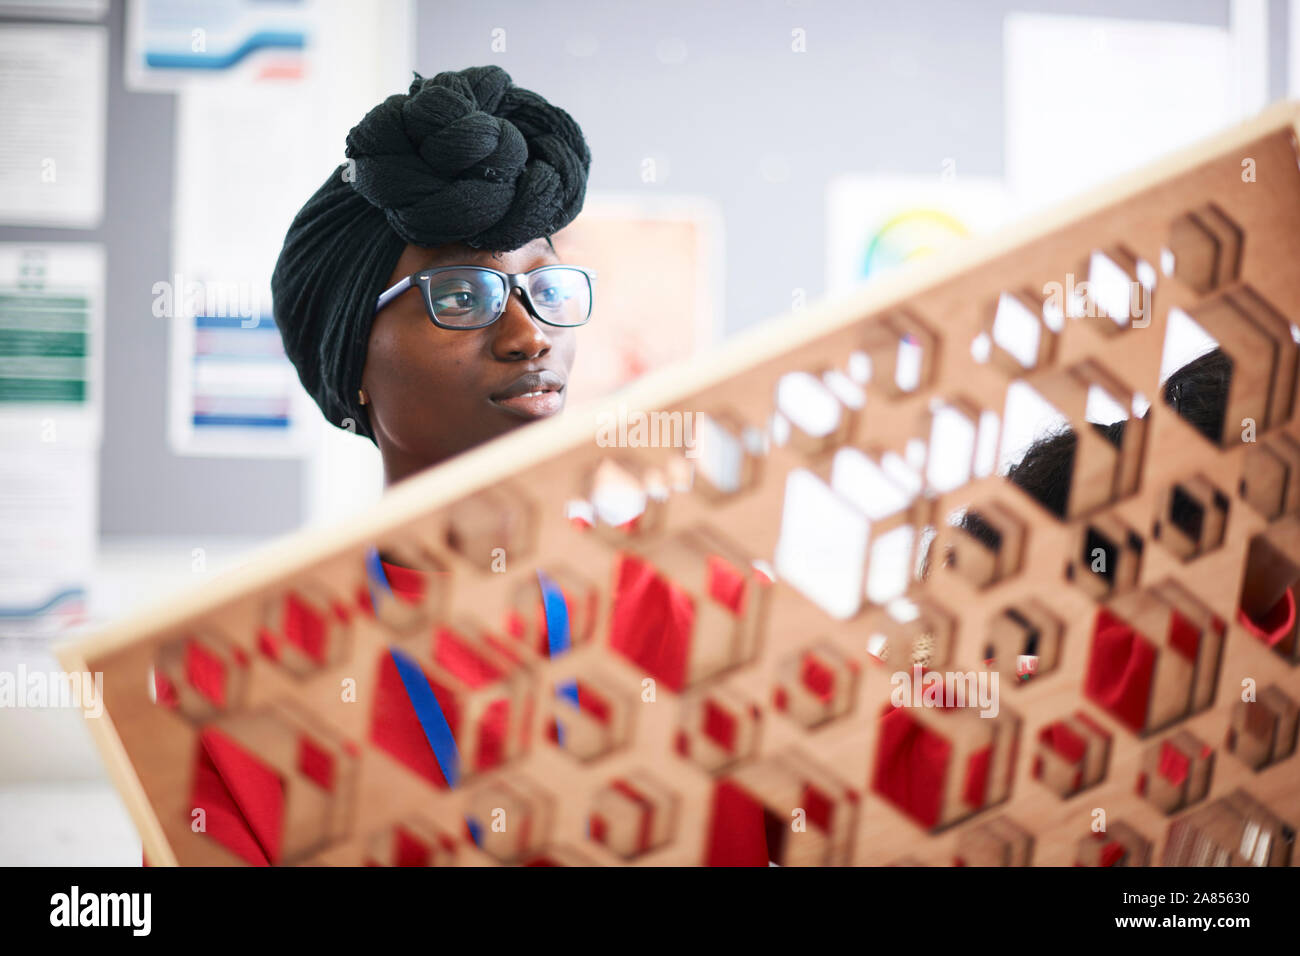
pixel 513 280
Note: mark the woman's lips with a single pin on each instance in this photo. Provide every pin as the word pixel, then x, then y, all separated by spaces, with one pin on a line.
pixel 534 394
pixel 532 404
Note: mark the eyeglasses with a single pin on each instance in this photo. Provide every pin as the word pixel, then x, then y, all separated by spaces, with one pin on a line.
pixel 473 297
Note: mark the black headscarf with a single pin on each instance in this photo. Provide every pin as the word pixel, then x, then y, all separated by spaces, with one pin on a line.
pixel 464 157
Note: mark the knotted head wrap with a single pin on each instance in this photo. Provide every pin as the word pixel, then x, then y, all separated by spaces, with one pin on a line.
pixel 463 157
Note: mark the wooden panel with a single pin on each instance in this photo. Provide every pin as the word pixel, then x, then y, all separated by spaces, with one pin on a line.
pixel 798 555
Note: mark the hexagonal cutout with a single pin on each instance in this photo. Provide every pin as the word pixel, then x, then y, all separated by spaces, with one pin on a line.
pixel 940 765
pixel 1024 642
pixel 305 630
pixel 1071 754
pixel 1236 830
pixel 1267 609
pixel 1108 557
pixel 727 454
pixel 274 786
pixel 411 842
pixel 1118 845
pixel 880 490
pixel 1285 335
pixel 1019 335
pixel 1270 476
pixel 633 815
pixel 1204 249
pixel 902 353
pixel 996 842
pixel 526 621
pixel 1192 517
pixel 717 729
pixel 987 544
pixel 511 819
pixel 1263 730
pixel 1117 294
pixel 623 498
pixel 200 676
pixel 807 813
pixel 809 416
pixel 589 718
pixel 451 706
pixel 1228 370
pixel 1175 772
pixel 822 548
pixel 1154 658
pixel 406 584
pixel 962 444
pixel 690 607
pixel 492 529
pixel 815 685
pixel 1073 472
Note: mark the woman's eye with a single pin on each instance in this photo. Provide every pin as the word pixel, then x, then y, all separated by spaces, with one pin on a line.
pixel 454 301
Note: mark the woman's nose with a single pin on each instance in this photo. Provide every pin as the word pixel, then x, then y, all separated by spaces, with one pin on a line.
pixel 518 334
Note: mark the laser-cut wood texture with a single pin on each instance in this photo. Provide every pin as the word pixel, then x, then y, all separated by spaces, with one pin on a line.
pixel 760 695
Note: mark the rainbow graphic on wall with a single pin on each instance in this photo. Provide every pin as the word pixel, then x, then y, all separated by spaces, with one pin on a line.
pixel 877 222
pixel 911 234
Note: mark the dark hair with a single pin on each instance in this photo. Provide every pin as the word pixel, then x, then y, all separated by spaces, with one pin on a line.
pixel 1198 392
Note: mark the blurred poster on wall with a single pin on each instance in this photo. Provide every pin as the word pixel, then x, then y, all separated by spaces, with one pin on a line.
pixel 1090 98
pixel 175 44
pixel 246 160
pixel 52 112
pixel 55 9
pixel 876 223
pixel 248 155
pixel 658 291
pixel 234 393
pixel 51 322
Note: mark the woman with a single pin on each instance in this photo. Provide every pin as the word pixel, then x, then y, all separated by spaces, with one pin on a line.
pixel 465 170
pixel 424 306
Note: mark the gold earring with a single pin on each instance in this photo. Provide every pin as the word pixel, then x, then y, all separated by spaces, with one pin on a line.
pixel 361 394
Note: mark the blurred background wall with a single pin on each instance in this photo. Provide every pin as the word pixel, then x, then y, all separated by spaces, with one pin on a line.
pixel 749 114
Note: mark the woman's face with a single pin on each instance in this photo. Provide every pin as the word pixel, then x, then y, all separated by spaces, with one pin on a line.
pixel 433 392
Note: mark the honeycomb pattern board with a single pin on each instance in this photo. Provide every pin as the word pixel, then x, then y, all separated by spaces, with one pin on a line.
pixel 731 609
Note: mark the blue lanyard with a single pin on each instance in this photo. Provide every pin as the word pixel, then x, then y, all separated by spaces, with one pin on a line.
pixel 425 703
pixel 557 636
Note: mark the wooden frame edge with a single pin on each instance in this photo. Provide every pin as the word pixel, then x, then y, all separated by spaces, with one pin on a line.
pixel 121 772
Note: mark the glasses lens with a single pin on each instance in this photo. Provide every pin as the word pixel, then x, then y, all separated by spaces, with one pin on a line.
pixel 561 295
pixel 465 298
